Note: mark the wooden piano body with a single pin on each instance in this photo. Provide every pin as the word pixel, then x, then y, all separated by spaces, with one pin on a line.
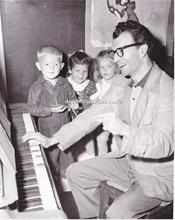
pixel 37 193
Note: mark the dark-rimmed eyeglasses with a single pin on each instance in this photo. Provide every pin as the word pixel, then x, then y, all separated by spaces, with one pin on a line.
pixel 120 51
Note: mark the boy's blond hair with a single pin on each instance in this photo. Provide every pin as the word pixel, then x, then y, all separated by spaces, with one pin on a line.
pixel 52 50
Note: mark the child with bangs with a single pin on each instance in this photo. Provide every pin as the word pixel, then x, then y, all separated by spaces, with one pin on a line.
pixel 79 66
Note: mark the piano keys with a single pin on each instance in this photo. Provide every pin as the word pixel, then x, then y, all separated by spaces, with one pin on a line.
pixel 36 188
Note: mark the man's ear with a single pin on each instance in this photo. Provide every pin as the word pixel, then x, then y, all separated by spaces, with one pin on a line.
pixel 143 50
pixel 38 66
pixel 62 65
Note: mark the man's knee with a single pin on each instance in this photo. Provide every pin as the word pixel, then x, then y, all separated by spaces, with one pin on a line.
pixel 120 211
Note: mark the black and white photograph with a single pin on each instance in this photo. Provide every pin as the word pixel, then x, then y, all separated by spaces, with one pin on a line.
pixel 86 109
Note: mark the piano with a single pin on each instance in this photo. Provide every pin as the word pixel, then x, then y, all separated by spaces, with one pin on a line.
pixel 37 193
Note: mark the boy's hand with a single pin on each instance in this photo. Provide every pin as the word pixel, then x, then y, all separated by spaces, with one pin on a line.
pixel 57 109
pixel 74 105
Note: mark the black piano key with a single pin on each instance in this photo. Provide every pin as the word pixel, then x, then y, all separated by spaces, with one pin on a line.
pixel 24 165
pixel 22 148
pixel 30 203
pixel 23 209
pixel 22 183
pixel 29 171
pixel 24 152
pixel 21 163
pixel 27 157
pixel 29 192
pixel 26 174
pixel 23 155
pixel 33 209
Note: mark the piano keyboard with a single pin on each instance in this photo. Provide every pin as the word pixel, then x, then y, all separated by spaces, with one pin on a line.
pixel 36 188
pixel 48 201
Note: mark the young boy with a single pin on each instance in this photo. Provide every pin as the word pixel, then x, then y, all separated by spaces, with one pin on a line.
pixel 47 101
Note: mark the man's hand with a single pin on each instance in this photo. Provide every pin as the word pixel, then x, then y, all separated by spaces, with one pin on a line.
pixel 112 123
pixel 37 138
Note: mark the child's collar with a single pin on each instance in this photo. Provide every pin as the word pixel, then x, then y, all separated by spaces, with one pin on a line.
pixel 78 87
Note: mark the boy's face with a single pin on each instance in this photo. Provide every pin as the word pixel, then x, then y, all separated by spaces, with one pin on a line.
pixel 107 68
pixel 79 73
pixel 50 66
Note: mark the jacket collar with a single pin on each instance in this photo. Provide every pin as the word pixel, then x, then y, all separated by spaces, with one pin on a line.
pixel 142 82
pixel 60 81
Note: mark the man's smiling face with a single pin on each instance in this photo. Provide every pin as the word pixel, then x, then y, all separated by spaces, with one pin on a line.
pixel 131 60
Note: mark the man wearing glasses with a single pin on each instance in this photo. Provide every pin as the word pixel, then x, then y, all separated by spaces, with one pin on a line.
pixel 140 118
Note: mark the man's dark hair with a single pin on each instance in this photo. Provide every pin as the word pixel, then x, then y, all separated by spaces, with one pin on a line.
pixel 138 31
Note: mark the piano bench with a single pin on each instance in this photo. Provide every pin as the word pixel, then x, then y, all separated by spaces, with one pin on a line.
pixel 108 193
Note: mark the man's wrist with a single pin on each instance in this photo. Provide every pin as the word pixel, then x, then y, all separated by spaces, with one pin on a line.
pixel 52 141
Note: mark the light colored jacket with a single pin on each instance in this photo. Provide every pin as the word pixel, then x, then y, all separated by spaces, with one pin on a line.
pixel 150 145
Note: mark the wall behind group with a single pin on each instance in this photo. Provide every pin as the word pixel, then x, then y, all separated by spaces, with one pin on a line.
pixel 70 25
pixel 26 26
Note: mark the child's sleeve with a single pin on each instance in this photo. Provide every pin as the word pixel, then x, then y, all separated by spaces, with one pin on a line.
pixel 93 88
pixel 35 107
pixel 90 90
